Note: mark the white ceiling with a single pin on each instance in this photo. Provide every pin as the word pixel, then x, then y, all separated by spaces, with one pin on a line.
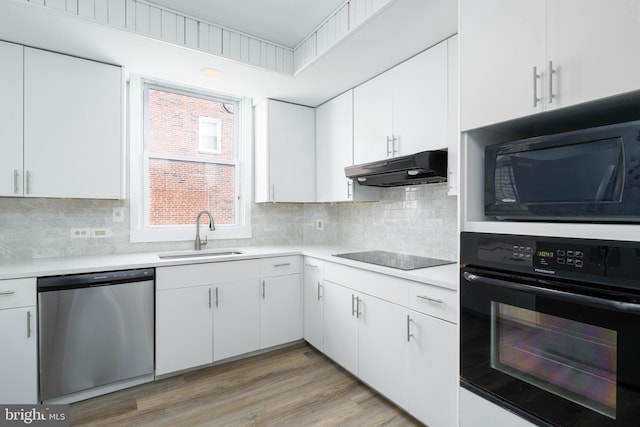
pixel 286 22
pixel 404 29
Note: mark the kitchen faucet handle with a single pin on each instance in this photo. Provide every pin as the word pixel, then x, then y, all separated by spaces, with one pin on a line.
pixel 204 242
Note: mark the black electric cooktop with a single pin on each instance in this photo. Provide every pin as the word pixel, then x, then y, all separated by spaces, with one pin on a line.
pixel 394 260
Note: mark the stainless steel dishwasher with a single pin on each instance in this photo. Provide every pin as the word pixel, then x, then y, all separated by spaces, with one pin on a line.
pixel 96 333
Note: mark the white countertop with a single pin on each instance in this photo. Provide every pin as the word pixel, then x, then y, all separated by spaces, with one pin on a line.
pixel 443 276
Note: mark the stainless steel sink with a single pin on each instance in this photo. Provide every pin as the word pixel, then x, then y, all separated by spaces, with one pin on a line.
pixel 199 254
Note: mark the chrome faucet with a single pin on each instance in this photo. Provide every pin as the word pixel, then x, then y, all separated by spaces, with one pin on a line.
pixel 212 227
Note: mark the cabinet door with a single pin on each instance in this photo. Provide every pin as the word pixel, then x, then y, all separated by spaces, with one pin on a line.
pixel 285 152
pixel 340 326
pixel 280 310
pixel 73 132
pixel 594 52
pixel 334 148
pixel 313 302
pixel 236 319
pixel 433 370
pixel 453 124
pixel 11 75
pixel 184 335
pixel 372 119
pixel 18 359
pixel 500 43
pixel 383 348
pixel 420 102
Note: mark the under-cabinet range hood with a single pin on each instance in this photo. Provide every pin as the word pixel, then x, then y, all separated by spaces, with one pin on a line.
pixel 426 167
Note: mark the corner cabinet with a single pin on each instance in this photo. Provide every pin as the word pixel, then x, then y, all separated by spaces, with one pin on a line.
pixel 522 58
pixel 404 110
pixel 62 130
pixel 284 152
pixel 18 334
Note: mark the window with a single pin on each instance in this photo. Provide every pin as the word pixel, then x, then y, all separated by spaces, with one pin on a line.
pixel 209 134
pixel 191 155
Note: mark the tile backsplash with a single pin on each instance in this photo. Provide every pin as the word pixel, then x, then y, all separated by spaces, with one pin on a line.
pixel 420 220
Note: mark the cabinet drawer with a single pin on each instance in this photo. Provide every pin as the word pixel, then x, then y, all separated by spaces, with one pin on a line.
pixel 182 276
pixel 17 293
pixel 280 266
pixel 434 301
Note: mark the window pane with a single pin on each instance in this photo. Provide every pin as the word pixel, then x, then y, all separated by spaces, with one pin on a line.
pixel 173 125
pixel 179 190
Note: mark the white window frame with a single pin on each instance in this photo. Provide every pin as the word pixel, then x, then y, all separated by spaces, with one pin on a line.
pixel 138 181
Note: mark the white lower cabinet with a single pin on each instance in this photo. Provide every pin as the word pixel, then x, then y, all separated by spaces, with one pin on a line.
pixel 396 336
pixel 18 334
pixel 184 329
pixel 236 315
pixel 313 302
pixel 383 348
pixel 340 326
pixel 433 370
pixel 280 301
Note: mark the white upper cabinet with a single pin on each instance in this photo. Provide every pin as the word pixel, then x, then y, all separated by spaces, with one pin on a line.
pixel 11 75
pixel 453 117
pixel 404 110
pixel 284 152
pixel 525 57
pixel 334 151
pixel 73 127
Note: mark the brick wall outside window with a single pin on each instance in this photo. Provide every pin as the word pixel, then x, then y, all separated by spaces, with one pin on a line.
pixel 179 189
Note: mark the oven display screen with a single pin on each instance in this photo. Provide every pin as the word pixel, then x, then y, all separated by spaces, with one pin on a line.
pixel 574 360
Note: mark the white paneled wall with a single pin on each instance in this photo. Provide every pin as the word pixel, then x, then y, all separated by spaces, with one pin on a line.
pixel 343 21
pixel 164 24
pixel 167 25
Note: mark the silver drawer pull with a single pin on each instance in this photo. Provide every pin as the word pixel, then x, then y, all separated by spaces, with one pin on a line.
pixel 309 265
pixel 436 300
pixel 282 265
pixel 7 292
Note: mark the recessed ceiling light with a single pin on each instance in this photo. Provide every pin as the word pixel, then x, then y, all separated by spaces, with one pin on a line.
pixel 211 72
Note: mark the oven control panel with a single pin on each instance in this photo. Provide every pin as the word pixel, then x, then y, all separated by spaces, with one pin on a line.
pixel 542 256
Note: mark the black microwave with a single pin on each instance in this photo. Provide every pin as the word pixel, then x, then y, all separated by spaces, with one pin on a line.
pixel 585 175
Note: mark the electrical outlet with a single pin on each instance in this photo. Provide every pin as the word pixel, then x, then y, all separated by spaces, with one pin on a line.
pixel 80 233
pixel 118 214
pixel 100 233
pixel 319 224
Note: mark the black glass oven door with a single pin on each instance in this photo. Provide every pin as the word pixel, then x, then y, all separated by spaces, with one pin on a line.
pixel 568 358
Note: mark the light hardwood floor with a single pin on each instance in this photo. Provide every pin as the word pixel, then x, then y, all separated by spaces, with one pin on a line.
pixel 293 386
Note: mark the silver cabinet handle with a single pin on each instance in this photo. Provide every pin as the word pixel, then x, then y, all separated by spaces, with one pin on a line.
pixel 209 297
pixel 349 184
pixel 393 145
pixel 28 184
pixel 282 265
pixel 15 181
pixel 217 299
pixel 306 264
pixel 409 328
pixel 353 306
pixel 536 76
pixel 550 77
pixel 264 289
pixel 28 324
pixel 319 291
pixel 389 140
pixel 436 300
pixel 7 292
pixel 358 312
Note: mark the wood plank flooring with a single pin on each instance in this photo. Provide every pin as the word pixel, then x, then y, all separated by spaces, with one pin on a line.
pixel 293 386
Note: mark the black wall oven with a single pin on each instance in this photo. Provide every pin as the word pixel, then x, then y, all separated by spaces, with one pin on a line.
pixel 550 327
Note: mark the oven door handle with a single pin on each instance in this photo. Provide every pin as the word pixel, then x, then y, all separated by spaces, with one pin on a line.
pixel 621 306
